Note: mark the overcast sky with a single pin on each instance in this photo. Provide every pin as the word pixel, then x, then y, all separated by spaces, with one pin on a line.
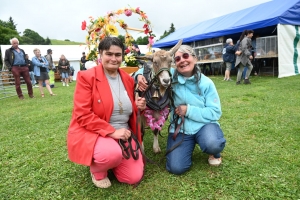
pixel 61 19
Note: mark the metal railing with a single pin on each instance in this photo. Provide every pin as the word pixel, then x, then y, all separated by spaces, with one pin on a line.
pixel 7 85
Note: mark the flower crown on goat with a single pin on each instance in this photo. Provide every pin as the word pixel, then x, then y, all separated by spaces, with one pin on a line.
pixel 104 26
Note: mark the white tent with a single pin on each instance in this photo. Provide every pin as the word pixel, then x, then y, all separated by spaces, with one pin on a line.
pixel 72 52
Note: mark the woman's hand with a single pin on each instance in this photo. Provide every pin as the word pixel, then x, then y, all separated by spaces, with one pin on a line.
pixel 140 103
pixel 121 133
pixel 142 83
pixel 181 110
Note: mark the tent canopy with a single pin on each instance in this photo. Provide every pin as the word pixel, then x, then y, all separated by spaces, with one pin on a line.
pixel 264 15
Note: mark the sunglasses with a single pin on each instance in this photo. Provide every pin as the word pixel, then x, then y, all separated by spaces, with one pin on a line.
pixel 185 56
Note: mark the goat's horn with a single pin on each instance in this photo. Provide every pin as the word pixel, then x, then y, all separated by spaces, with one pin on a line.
pixel 147 57
pixel 175 48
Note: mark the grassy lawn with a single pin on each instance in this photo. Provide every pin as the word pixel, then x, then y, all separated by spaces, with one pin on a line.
pixel 62 42
pixel 260 161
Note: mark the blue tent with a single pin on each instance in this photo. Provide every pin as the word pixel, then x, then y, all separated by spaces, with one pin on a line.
pixel 264 15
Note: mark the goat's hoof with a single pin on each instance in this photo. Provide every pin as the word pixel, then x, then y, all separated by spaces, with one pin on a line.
pixel 156 150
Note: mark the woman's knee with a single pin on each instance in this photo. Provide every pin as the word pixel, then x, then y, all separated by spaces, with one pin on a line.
pixel 212 139
pixel 107 153
pixel 177 167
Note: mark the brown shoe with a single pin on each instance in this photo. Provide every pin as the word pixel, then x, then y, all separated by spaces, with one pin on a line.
pixel 21 97
pixel 31 96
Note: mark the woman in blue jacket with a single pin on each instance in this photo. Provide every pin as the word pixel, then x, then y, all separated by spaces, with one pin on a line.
pixel 197 101
pixel 41 71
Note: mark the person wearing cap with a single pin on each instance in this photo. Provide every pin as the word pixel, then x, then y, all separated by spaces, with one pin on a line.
pixel 83 60
pixel 15 61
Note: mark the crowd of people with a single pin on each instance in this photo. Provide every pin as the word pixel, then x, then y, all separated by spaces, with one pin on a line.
pixel 241 56
pixel 35 72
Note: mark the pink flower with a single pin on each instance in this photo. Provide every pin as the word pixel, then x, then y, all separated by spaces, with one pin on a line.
pixel 156 123
pixel 151 41
pixel 137 10
pixel 83 25
pixel 128 12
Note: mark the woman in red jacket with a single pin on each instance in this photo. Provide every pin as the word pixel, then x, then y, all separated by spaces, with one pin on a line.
pixel 104 116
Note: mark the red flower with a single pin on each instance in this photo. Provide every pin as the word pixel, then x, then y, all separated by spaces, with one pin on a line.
pixel 83 25
pixel 146 31
pixel 97 30
pixel 145 26
pixel 127 50
pixel 128 12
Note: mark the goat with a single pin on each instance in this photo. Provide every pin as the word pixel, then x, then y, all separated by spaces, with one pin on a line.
pixel 158 94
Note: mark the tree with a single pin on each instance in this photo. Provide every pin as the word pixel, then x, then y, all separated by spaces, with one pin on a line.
pixel 34 36
pixel 6 34
pixel 122 38
pixel 48 41
pixel 166 33
pixel 6 25
pixel 142 40
pixel 12 23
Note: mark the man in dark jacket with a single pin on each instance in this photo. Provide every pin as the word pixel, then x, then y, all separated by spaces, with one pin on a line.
pixel 31 70
pixel 228 57
pixel 15 62
pixel 83 60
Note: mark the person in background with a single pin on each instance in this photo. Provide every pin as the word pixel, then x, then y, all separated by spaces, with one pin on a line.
pixel 31 73
pixel 15 61
pixel 83 60
pixel 41 70
pixel 64 66
pixel 136 49
pixel 49 59
pixel 104 115
pixel 197 101
pixel 72 70
pixel 245 56
pixel 228 57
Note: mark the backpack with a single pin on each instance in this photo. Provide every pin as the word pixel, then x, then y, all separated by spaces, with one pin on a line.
pixel 237 45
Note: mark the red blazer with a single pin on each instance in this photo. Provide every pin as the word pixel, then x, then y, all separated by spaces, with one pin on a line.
pixel 93 107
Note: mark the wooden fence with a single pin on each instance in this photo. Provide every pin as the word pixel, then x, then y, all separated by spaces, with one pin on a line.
pixel 7 85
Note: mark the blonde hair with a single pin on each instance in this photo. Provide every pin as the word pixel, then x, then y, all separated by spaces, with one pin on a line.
pixel 36 49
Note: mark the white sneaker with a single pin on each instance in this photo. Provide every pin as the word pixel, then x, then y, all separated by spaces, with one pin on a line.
pixel 67 85
pixel 104 183
pixel 214 161
pixel 64 84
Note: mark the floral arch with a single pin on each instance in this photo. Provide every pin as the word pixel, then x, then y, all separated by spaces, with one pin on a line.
pixel 104 26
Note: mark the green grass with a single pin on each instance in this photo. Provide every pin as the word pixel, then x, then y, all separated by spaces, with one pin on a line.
pixel 260 161
pixel 62 42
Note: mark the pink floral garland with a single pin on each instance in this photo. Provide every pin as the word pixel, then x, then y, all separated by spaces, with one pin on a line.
pixel 152 122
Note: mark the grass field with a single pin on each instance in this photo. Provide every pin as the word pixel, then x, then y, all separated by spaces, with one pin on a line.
pixel 62 42
pixel 260 161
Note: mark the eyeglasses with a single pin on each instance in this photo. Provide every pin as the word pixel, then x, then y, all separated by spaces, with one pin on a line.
pixel 185 56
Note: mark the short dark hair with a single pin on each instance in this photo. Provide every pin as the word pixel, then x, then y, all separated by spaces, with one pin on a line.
pixel 107 42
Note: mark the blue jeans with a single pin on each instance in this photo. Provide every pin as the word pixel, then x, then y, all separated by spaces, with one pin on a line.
pixel 210 138
pixel 31 74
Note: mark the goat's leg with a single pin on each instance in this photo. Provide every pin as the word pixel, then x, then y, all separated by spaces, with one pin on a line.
pixel 156 147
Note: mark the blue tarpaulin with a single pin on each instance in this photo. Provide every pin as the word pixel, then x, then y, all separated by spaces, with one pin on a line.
pixel 271 13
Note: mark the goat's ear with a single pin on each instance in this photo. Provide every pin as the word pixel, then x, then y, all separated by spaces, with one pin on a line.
pixel 175 48
pixel 147 57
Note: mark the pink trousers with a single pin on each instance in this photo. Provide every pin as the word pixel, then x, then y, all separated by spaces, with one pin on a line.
pixel 108 155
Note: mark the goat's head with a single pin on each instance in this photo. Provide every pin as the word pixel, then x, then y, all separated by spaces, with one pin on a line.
pixel 161 64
